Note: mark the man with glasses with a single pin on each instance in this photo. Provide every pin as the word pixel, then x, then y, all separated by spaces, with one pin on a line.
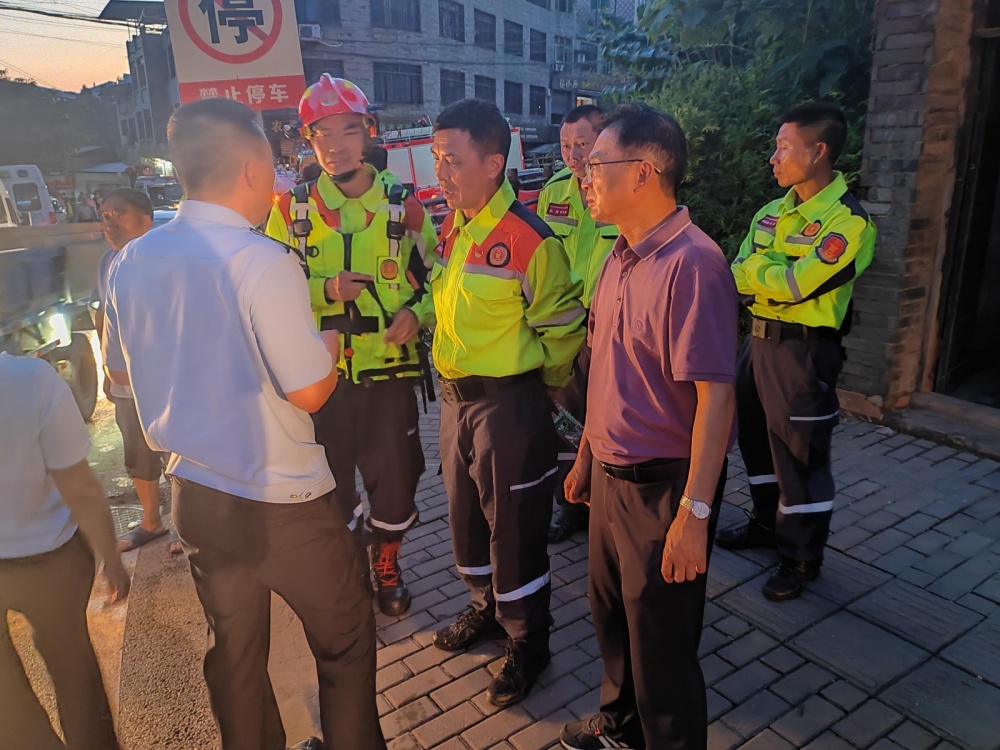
pixel 563 206
pixel 652 463
pixel 509 323
pixel 125 215
pixel 796 271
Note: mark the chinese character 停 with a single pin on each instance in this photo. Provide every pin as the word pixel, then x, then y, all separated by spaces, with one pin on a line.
pixel 255 93
pixel 236 14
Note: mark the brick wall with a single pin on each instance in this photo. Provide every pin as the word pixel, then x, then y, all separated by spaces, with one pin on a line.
pixel 915 112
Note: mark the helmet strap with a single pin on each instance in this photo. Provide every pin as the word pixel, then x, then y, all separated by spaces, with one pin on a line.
pixel 341 179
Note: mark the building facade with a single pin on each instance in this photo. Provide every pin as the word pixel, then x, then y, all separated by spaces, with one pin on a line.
pixel 414 57
pixel 927 313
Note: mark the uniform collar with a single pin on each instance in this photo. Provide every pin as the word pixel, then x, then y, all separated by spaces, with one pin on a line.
pixel 815 207
pixel 487 219
pixel 334 199
pixel 662 234
pixel 192 209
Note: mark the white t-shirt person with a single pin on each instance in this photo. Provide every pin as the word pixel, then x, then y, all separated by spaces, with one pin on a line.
pixel 40 431
pixel 212 323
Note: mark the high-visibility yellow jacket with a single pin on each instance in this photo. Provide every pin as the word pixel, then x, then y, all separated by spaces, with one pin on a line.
pixel 505 298
pixel 351 234
pixel 800 260
pixel 588 243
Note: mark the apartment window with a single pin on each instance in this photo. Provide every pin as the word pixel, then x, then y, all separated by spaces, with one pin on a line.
pixel 396 14
pixel 397 83
pixel 313 69
pixel 452 86
pixel 562 103
pixel 513 38
pixel 317 11
pixel 486 89
pixel 586 56
pixel 513 98
pixel 541 3
pixel 486 30
pixel 564 6
pixel 562 49
pixel 537 46
pixel 452 18
pixel 536 100
pixel 140 71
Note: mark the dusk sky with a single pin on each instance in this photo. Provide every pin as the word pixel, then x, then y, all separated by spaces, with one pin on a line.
pixel 61 53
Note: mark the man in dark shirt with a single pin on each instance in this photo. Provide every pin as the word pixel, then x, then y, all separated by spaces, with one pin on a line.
pixel 659 423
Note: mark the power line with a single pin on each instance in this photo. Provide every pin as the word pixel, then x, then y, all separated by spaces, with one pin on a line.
pixel 93 43
pixel 67 16
pixel 26 74
pixel 67 25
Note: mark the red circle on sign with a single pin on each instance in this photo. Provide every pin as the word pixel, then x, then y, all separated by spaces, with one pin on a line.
pixel 207 48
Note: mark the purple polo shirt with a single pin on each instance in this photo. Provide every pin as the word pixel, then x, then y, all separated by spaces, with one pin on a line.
pixel 664 315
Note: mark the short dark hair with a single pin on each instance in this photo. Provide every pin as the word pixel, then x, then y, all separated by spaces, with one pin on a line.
pixel 483 121
pixel 378 157
pixel 205 137
pixel 583 112
pixel 135 198
pixel 826 116
pixel 642 128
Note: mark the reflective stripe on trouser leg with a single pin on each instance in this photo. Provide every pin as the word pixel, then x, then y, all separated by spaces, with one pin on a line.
pixel 753 442
pixel 390 458
pixel 470 532
pixel 797 385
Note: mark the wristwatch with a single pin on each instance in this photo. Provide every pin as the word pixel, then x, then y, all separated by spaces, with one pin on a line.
pixel 698 509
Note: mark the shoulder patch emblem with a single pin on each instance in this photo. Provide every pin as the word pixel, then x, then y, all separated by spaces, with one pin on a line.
pixel 498 256
pixel 770 222
pixel 811 230
pixel 557 209
pixel 831 248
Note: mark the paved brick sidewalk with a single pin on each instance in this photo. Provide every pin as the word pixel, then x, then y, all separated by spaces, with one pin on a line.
pixel 896 646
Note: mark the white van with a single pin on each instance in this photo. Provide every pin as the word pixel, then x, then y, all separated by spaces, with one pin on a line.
pixel 28 193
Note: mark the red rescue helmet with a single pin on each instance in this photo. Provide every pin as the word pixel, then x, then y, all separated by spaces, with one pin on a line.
pixel 332 96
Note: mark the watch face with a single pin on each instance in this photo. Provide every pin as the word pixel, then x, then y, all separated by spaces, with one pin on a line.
pixel 700 510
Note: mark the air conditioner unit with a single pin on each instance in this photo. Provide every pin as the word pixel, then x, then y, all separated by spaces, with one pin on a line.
pixel 558 67
pixel 310 31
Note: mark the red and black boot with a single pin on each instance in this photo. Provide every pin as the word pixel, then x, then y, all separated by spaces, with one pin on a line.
pixel 393 596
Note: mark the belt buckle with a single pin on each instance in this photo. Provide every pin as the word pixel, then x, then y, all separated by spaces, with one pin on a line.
pixel 758 328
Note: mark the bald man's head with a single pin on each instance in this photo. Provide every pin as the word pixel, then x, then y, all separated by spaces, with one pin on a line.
pixel 211 140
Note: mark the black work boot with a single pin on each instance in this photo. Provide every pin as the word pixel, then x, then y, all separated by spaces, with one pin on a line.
pixel 470 626
pixel 393 596
pixel 313 743
pixel 587 734
pixel 518 673
pixel 790 580
pixel 567 519
pixel 753 534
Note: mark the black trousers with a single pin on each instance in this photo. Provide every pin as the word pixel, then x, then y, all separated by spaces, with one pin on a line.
pixel 498 458
pixel 653 689
pixel 51 591
pixel 240 551
pixel 141 461
pixel 374 428
pixel 786 399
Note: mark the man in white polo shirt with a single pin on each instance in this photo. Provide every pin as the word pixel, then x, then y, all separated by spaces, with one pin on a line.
pixel 54 520
pixel 209 322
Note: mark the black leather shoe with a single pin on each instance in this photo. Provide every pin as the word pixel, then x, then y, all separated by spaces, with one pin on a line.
pixel 313 743
pixel 393 596
pixel 753 534
pixel 790 580
pixel 470 626
pixel 586 734
pixel 519 671
pixel 567 520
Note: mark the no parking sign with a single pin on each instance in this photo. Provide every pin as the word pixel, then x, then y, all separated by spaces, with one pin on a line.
pixel 247 50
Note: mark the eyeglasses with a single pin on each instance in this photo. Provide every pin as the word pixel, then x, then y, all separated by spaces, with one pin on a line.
pixel 591 164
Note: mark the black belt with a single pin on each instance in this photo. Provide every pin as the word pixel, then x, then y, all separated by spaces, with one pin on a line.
pixel 777 331
pixel 648 472
pixel 476 387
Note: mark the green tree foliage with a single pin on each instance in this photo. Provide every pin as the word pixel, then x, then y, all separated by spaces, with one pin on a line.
pixel 39 127
pixel 726 69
